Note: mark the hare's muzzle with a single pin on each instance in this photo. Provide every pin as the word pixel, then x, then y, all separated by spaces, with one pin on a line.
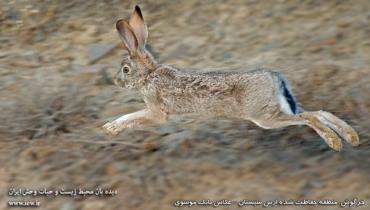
pixel 117 80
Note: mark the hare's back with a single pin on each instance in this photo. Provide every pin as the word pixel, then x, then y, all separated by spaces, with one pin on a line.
pixel 215 93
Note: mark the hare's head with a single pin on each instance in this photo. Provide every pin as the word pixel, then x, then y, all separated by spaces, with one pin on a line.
pixel 139 64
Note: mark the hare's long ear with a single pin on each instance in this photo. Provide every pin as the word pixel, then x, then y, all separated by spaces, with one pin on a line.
pixel 138 25
pixel 127 36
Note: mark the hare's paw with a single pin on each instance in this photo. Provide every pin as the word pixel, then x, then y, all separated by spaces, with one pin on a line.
pixel 352 137
pixel 334 142
pixel 112 128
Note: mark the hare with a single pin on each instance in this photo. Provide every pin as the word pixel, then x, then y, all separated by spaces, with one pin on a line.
pixel 261 96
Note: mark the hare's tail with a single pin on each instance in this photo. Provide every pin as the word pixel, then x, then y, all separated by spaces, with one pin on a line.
pixel 328 126
pixel 287 100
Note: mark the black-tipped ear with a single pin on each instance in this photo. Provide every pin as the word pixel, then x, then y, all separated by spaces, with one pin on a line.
pixel 127 36
pixel 138 25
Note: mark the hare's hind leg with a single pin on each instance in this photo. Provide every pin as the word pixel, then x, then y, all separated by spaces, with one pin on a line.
pixel 304 118
pixel 132 120
pixel 329 136
pixel 339 126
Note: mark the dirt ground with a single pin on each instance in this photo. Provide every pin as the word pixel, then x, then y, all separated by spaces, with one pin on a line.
pixel 57 59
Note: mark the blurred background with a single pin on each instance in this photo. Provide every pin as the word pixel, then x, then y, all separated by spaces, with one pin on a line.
pixel 57 59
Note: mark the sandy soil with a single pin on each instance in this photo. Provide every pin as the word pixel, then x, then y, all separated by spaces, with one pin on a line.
pixel 57 60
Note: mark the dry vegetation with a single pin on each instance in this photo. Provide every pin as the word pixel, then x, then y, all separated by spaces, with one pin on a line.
pixel 57 59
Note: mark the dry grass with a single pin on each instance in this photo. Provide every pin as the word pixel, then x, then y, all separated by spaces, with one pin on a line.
pixel 54 101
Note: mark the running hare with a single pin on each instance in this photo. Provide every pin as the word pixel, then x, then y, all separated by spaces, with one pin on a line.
pixel 260 96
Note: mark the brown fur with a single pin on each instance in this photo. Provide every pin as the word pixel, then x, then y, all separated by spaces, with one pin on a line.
pixel 255 95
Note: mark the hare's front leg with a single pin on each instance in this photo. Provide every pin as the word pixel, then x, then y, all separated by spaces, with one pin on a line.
pixel 132 120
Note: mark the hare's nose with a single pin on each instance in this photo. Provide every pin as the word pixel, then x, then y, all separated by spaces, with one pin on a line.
pixel 116 81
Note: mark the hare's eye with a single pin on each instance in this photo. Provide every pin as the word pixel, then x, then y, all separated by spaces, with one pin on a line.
pixel 125 69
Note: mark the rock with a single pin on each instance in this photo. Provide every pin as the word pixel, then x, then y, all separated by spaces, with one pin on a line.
pixel 151 146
